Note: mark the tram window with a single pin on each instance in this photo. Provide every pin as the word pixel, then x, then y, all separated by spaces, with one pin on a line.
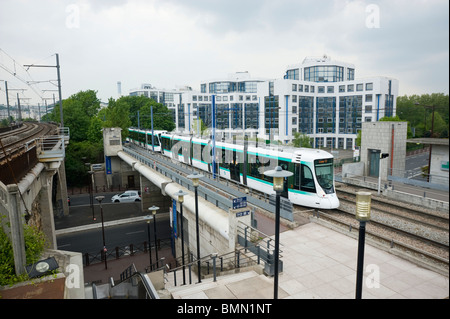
pixel 284 165
pixel 307 180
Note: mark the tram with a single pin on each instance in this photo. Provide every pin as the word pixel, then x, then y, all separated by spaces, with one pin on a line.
pixel 311 185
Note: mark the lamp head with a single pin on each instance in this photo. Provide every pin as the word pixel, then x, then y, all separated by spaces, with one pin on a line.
pixel 278 175
pixel 153 209
pixel 195 178
pixel 363 200
pixel 180 195
pixel 100 198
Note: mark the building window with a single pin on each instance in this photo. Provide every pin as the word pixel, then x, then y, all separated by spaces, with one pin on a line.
pixel 350 74
pixel 324 73
pixel 369 86
pixel 330 89
pixel 300 87
pixel 368 97
pixel 351 88
pixel 321 89
pixel 368 109
pixel 292 74
pixel 294 87
pixel 359 87
pixel 341 88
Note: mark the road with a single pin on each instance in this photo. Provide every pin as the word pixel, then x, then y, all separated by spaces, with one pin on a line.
pixel 91 241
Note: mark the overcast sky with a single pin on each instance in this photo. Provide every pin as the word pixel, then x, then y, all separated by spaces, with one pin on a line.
pixel 173 43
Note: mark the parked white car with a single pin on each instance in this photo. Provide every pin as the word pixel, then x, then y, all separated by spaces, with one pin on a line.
pixel 126 197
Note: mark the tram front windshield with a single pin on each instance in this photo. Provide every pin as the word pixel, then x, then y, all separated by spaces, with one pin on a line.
pixel 324 174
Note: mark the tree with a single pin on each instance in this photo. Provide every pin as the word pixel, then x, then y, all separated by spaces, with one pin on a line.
pixel 301 140
pixel 118 115
pixel 417 111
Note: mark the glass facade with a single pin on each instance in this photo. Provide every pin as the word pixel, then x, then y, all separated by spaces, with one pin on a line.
pixel 325 115
pixel 292 75
pixel 326 73
pixel 230 87
pixel 305 114
pixel 251 116
pixel 181 120
pixel 350 114
pixel 271 113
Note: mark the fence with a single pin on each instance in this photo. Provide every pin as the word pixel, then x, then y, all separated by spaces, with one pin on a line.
pixel 118 252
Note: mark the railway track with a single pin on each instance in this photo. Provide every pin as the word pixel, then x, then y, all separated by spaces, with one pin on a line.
pixel 18 140
pixel 413 232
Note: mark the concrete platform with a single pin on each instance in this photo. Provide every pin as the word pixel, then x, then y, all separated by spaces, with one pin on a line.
pixel 320 263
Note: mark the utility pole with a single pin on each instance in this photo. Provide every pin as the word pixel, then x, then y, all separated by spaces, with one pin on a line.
pixel 62 170
pixel 7 99
pixel 59 83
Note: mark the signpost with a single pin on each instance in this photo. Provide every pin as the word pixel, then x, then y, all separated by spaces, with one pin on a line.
pixel 239 202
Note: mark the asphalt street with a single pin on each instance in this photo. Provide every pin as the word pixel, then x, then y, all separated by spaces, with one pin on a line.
pixel 90 240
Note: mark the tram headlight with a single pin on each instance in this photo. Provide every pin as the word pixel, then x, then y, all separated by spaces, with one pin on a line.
pixel 363 200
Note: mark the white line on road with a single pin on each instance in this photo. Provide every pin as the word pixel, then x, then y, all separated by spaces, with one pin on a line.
pixel 134 232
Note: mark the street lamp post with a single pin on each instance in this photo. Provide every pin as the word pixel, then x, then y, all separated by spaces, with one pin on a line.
pixel 432 107
pixel 153 209
pixel 91 193
pixel 180 195
pixel 278 175
pixel 363 200
pixel 195 182
pixel 99 199
pixel 148 218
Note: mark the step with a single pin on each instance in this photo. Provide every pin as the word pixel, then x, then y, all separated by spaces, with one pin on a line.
pixel 196 290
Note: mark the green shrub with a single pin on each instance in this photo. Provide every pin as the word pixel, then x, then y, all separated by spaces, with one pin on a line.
pixel 34 246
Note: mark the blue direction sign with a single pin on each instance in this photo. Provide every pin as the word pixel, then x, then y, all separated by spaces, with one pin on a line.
pixel 239 202
pixel 241 214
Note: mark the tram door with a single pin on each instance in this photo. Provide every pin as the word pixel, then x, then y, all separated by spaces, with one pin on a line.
pixel 235 171
pixel 284 193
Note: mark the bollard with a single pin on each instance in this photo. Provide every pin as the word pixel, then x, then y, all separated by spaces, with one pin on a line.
pixel 214 256
pixel 175 278
pixel 86 257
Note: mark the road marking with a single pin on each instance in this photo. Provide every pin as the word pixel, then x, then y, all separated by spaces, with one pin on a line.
pixel 59 246
pixel 134 232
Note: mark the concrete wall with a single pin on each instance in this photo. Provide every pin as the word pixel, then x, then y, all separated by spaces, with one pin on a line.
pixel 353 169
pixel 439 156
pixel 387 137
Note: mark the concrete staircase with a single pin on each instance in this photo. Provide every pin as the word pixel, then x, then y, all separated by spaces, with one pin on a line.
pixel 210 289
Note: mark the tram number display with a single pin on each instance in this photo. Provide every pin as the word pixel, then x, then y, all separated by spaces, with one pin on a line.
pixel 324 161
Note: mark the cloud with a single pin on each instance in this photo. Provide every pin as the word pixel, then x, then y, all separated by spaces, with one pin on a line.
pixel 175 42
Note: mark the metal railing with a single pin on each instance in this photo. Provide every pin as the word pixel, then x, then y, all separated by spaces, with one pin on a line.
pixel 119 252
pixel 50 148
pixel 132 285
pixel 210 265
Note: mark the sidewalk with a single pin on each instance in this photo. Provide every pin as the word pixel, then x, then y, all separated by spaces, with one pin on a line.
pixel 320 263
